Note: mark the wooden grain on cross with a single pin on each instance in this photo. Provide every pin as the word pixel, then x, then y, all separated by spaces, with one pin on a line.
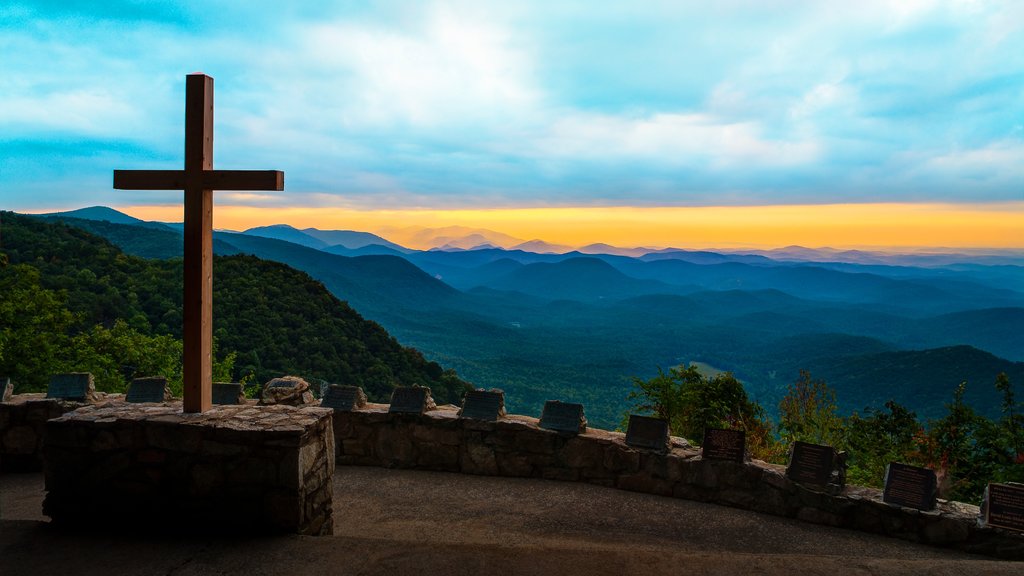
pixel 198 180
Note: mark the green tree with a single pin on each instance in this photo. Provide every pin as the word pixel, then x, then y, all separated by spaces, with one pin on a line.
pixel 878 438
pixel 1010 440
pixel 808 413
pixel 34 325
pixel 692 402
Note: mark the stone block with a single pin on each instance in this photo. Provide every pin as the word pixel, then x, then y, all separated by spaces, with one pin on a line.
pixel 20 440
pixel 267 471
pixel 514 464
pixel 619 458
pixel 583 452
pixel 438 456
pixel 479 459
pixel 947 530
pixel 536 441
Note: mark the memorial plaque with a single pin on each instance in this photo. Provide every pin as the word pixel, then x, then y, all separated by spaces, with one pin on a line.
pixel 343 398
pixel 1004 506
pixel 409 400
pixel 74 386
pixel 724 444
pixel 147 390
pixel 563 417
pixel 647 432
pixel 909 486
pixel 811 463
pixel 486 405
pixel 282 383
pixel 228 393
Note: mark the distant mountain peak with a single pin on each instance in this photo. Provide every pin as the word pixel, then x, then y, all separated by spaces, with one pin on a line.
pixel 99 213
pixel 539 246
pixel 286 233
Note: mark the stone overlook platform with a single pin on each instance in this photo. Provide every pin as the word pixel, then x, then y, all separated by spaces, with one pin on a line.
pixel 255 468
pixel 233 468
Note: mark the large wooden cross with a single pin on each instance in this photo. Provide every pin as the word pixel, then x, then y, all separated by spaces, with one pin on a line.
pixel 198 180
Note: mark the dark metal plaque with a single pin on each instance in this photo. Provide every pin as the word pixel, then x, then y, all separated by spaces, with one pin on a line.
pixel 1004 506
pixel 811 463
pixel 408 400
pixel 74 386
pixel 482 405
pixel 341 398
pixel 282 383
pixel 909 486
pixel 647 432
pixel 724 444
pixel 227 393
pixel 146 390
pixel 563 417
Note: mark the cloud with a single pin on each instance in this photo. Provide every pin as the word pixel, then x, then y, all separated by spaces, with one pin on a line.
pixel 672 139
pixel 454 103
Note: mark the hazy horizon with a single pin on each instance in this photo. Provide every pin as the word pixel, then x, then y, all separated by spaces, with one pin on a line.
pixel 406 237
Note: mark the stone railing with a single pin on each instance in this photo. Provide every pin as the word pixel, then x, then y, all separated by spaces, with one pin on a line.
pixel 517 446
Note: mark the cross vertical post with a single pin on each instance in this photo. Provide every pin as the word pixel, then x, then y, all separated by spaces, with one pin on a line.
pixel 198 180
pixel 197 304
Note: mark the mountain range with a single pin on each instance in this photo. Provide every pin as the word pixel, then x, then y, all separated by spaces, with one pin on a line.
pixel 577 325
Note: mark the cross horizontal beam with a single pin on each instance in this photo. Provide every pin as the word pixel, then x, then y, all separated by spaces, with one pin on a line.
pixel 211 180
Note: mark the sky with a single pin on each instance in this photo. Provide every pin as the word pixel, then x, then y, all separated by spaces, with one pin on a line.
pixel 869 123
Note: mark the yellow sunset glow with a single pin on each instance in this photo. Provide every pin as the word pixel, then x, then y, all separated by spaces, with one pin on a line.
pixel 836 225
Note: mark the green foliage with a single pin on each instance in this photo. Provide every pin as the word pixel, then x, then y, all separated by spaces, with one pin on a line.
pixel 967 450
pixel 808 413
pixel 117 355
pixel 693 402
pixel 34 326
pixel 878 438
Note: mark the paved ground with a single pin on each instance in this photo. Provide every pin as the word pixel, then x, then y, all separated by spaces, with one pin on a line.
pixel 392 522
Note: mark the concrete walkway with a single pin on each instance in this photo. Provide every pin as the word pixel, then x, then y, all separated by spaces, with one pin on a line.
pixel 393 522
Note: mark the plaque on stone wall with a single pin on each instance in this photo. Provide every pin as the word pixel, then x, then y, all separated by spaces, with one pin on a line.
pixel 228 393
pixel 486 405
pixel 1003 506
pixel 343 398
pixel 74 386
pixel 909 486
pixel 724 444
pixel 563 417
pixel 811 463
pixel 647 432
pixel 6 389
pixel 409 400
pixel 147 390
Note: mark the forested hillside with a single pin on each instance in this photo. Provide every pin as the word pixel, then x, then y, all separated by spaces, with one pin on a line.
pixel 74 301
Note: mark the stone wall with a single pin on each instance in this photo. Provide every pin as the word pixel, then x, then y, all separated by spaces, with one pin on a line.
pixel 231 469
pixel 23 429
pixel 517 446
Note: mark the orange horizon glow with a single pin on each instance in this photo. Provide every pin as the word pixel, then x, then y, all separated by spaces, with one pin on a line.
pixel 880 225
